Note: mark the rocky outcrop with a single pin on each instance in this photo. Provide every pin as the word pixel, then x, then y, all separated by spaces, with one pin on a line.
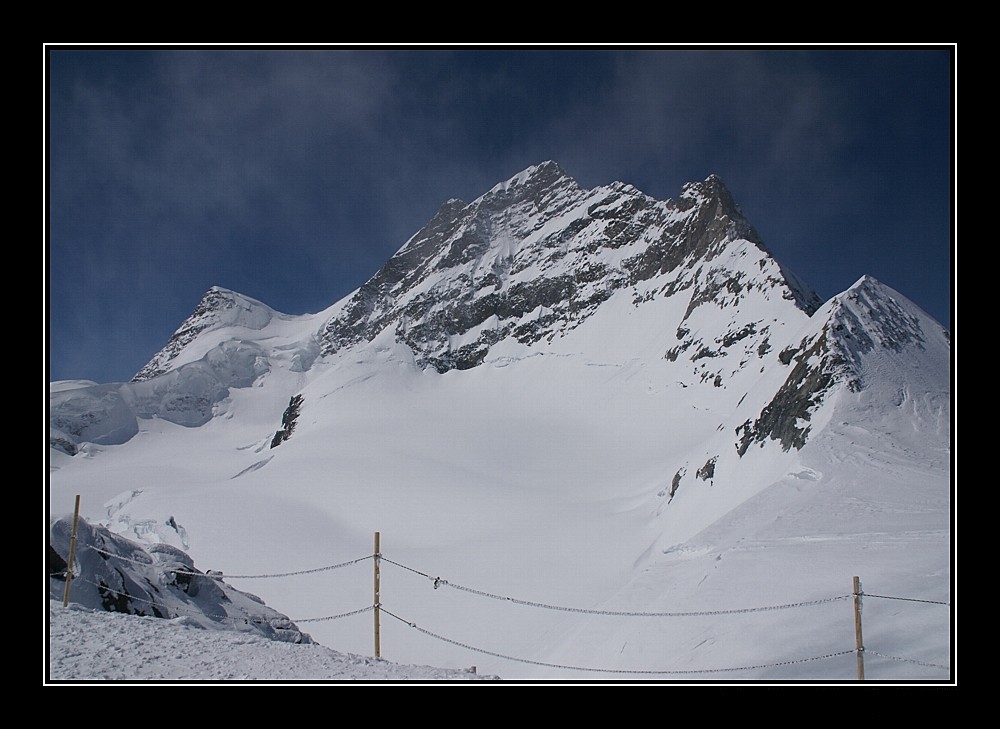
pixel 288 419
pixel 156 580
pixel 786 418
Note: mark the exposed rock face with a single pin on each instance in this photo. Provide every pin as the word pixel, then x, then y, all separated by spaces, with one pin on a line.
pixel 158 580
pixel 786 418
pixel 868 316
pixel 707 472
pixel 288 419
pixel 536 256
pixel 55 565
pixel 864 319
pixel 676 482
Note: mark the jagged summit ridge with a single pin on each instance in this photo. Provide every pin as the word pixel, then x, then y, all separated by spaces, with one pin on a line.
pixel 535 256
pixel 531 183
pixel 539 265
pixel 529 260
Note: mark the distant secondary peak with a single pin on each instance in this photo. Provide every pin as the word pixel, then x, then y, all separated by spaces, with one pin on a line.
pixel 870 316
pixel 866 288
pixel 218 308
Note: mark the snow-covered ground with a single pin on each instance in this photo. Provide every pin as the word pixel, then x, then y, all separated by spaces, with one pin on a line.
pixel 541 484
pixel 94 645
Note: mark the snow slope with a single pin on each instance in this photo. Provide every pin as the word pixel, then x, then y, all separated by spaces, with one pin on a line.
pixel 87 645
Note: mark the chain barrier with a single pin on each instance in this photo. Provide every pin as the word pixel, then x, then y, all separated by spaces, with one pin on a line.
pixel 613 670
pixel 335 617
pixel 224 619
pixel 143 562
pixel 223 576
pixel 908 599
pixel 621 613
pixel 422 574
pixel 438 582
pixel 905 660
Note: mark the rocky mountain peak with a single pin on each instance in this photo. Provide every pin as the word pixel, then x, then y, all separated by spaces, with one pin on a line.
pixel 871 316
pixel 535 176
pixel 536 255
pixel 711 188
pixel 864 332
pixel 218 307
pixel 685 283
pixel 534 190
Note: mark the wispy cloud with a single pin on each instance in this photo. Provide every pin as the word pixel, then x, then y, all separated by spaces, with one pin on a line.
pixel 293 175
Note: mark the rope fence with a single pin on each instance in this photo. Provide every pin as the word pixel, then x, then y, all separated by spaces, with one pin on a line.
pixel 217 618
pixel 908 599
pixel 215 575
pixel 439 582
pixel 612 670
pixel 906 660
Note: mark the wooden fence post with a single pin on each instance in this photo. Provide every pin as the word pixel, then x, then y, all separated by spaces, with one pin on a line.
pixel 72 551
pixel 378 604
pixel 857 628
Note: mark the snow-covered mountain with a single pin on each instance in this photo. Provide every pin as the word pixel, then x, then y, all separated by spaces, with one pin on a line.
pixel 566 398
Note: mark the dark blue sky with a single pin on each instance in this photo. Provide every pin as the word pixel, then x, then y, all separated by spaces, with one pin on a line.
pixel 292 175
